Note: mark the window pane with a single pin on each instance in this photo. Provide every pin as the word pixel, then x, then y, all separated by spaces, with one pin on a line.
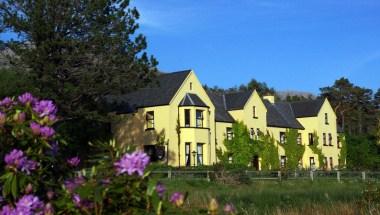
pixel 199 154
pixel 150 119
pixel 187 118
pixel 187 154
pixel 199 118
pixel 229 133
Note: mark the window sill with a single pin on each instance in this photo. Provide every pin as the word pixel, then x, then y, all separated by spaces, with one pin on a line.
pixel 255 117
pixel 149 129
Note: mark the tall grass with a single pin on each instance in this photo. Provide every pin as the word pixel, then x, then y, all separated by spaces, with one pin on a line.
pixel 273 197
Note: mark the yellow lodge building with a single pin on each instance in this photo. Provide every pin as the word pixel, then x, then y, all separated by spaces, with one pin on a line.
pixel 177 122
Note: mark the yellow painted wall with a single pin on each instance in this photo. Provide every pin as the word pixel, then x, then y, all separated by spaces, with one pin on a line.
pixel 130 128
pixel 275 132
pixel 318 125
pixel 221 128
pixel 246 114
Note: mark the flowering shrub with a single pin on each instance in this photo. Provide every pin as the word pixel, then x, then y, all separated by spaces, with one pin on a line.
pixel 36 178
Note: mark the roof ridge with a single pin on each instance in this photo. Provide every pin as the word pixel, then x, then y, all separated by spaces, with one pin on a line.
pixel 191 100
pixel 308 100
pixel 176 72
pixel 224 101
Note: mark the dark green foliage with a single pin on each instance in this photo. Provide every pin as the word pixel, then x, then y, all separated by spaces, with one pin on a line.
pixel 78 51
pixel 269 153
pixel 317 150
pixel 292 98
pixel 362 152
pixel 271 197
pixel 355 107
pixel 261 87
pixel 241 147
pixel 13 83
pixel 343 151
pixel 293 151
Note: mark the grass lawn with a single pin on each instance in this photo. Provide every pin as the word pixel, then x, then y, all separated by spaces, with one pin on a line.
pixel 273 197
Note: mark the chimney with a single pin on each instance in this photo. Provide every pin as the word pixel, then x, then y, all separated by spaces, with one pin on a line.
pixel 269 98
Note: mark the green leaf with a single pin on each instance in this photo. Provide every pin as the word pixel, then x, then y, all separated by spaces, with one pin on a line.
pixel 14 188
pixel 151 188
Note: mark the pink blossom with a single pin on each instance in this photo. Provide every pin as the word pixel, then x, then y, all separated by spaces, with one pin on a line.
pixel 131 163
pixel 74 161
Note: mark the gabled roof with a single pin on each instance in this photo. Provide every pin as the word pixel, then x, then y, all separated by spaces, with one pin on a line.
pixel 191 99
pixel 236 101
pixel 308 108
pixel 221 113
pixel 281 114
pixel 160 92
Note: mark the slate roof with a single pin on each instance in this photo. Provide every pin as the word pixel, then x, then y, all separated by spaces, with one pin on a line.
pixel 308 108
pixel 160 92
pixel 221 113
pixel 236 101
pixel 191 99
pixel 280 114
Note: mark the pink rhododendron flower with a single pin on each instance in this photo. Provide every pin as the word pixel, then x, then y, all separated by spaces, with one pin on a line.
pixel 36 128
pixel 6 102
pixel 74 161
pixel 177 199
pixel 45 108
pixel 47 131
pixel 27 98
pixel 132 163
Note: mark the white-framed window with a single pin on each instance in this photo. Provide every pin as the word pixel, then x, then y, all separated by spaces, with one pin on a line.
pixel 258 132
pixel 199 118
pixel 254 114
pixel 282 137
pixel 149 120
pixel 229 133
pixel 311 139
pixel 299 139
pixel 312 162
pixel 338 143
pixel 324 139
pixel 252 133
pixel 230 158
pixel 283 161
pixel 325 164
pixel 187 117
pixel 188 154
pixel 331 163
pixel 199 154
pixel 330 139
pixel 326 119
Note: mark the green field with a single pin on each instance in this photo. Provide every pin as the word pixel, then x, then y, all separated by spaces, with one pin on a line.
pixel 274 197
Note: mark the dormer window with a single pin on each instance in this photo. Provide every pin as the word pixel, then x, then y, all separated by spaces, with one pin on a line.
pixel 254 112
pixel 326 119
pixel 150 120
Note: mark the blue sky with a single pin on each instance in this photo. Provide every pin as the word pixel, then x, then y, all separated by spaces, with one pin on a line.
pixel 291 45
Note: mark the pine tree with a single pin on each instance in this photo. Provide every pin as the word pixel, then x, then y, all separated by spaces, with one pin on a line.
pixel 78 51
